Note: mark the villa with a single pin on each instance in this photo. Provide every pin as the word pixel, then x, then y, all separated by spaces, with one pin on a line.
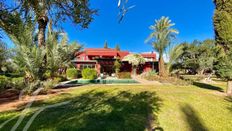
pixel 102 59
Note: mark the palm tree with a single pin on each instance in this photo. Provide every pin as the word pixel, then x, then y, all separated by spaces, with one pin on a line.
pixel 77 11
pixel 161 38
pixel 30 58
pixel 135 60
pixel 174 55
pixel 59 53
pixel 26 55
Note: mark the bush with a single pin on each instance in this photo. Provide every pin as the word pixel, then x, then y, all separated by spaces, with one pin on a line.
pixel 59 79
pixel 4 82
pixel 170 80
pixel 32 86
pixel 18 83
pixel 192 78
pixel 124 75
pixel 47 74
pixel 149 75
pixel 17 74
pixel 72 73
pixel 88 73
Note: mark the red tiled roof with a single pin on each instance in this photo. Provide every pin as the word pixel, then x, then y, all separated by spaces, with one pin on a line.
pixel 122 54
pixel 110 53
pixel 104 52
pixel 99 49
pixel 149 55
pixel 101 53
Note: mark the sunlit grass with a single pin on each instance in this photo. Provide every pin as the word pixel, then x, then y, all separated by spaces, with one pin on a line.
pixel 107 107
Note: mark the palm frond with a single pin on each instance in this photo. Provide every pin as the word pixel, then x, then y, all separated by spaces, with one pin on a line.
pixel 162 34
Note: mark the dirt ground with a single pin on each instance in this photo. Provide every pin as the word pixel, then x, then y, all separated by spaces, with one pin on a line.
pixel 9 100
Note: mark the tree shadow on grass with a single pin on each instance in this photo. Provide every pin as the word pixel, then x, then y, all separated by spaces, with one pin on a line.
pixel 100 111
pixel 207 86
pixel 229 99
pixel 191 117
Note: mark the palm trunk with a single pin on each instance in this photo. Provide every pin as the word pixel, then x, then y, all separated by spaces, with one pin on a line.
pixel 162 72
pixel 229 88
pixel 42 24
pixel 42 21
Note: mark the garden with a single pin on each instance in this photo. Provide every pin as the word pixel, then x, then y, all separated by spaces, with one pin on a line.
pixel 128 107
pixel 41 88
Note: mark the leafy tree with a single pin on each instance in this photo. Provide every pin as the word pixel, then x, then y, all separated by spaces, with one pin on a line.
pixel 223 23
pixel 207 56
pixel 77 11
pixel 196 57
pixel 135 60
pixel 223 32
pixel 161 38
pixel 106 45
pixel 3 55
pixel 117 47
pixel 224 69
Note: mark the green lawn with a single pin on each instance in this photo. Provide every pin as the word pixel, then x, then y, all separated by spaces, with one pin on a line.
pixel 132 108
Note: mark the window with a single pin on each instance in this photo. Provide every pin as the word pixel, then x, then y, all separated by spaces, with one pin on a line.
pixel 83 66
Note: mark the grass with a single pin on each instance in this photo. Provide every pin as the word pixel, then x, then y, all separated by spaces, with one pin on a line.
pixel 134 108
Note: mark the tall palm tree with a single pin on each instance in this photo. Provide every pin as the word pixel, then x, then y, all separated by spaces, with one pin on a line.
pixel 78 11
pixel 161 38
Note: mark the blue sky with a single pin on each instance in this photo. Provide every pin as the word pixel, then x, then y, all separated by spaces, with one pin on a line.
pixel 193 19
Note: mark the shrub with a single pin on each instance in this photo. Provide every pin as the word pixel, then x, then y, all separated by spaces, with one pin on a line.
pixel 88 73
pixel 149 75
pixel 13 83
pixel 192 78
pixel 47 74
pixel 4 82
pixel 117 65
pixel 58 79
pixel 18 83
pixel 32 86
pixel 152 73
pixel 17 74
pixel 170 80
pixel 49 84
pixel 124 75
pixel 72 73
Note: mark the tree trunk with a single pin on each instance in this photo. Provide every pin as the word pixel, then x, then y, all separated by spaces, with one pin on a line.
pixel 229 88
pixel 162 72
pixel 200 72
pixel 42 24
pixel 134 68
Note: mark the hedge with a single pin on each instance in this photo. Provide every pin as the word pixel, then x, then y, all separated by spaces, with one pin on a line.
pixel 88 73
pixel 72 73
pixel 124 75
